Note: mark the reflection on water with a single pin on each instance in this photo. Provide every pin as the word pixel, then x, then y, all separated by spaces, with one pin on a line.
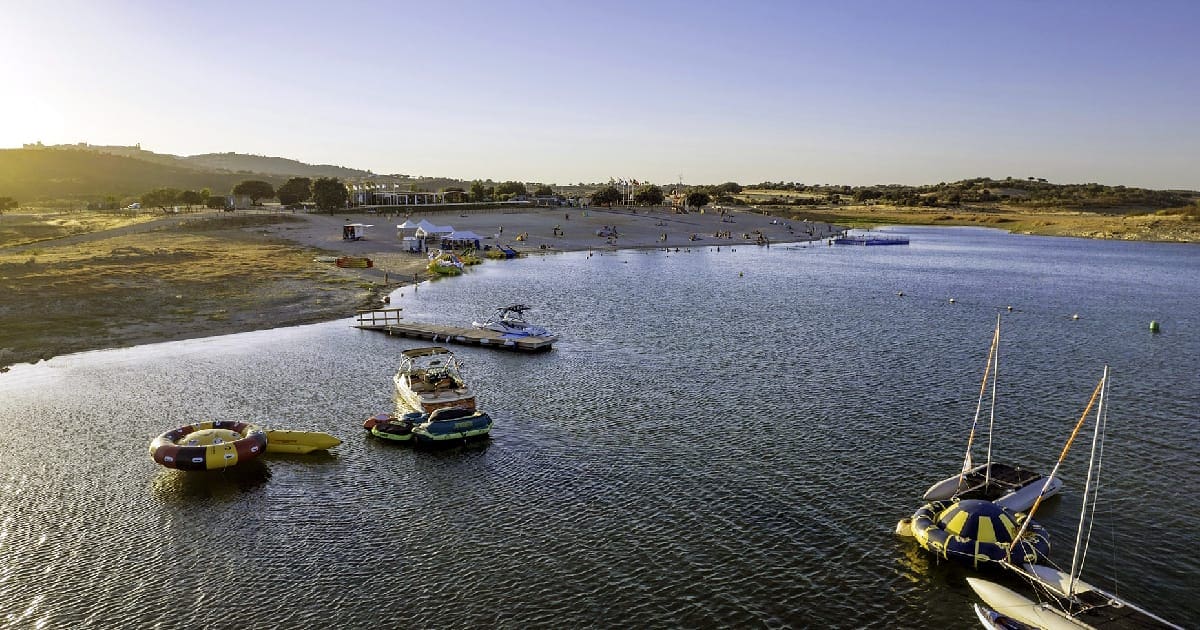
pixel 719 439
pixel 216 485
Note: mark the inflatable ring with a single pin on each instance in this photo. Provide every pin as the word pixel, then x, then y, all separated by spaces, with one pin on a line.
pixel 209 445
pixel 976 533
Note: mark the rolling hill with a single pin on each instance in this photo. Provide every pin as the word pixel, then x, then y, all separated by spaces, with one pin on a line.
pixel 31 175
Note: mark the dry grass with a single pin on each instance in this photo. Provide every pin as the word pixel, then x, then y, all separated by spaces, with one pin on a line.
pixel 196 279
pixel 1049 222
pixel 21 229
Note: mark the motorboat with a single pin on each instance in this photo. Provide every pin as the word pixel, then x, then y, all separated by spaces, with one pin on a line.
pixel 431 378
pixel 510 320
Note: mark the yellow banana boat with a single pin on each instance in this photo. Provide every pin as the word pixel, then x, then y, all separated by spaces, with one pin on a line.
pixel 300 442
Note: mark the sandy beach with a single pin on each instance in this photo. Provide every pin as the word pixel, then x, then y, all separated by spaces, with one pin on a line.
pixel 212 273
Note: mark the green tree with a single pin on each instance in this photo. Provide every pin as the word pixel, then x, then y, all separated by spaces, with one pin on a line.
pixel 7 203
pixel 216 202
pixel 191 198
pixel 477 192
pixel 511 188
pixel 296 190
pixel 697 199
pixel 730 188
pixel 160 198
pixel 606 196
pixel 543 191
pixel 649 195
pixel 255 189
pixel 329 193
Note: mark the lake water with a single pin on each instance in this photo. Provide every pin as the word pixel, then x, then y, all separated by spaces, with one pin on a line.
pixel 721 438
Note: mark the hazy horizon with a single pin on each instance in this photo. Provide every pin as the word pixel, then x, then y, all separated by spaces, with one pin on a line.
pixel 858 93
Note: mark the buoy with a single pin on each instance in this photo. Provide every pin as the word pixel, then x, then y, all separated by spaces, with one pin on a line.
pixel 1153 326
pixel 951 300
pixel 740 274
pixel 1010 307
pixel 1075 316
pixel 900 293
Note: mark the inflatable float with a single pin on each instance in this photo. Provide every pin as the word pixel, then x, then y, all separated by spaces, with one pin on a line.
pixel 975 533
pixel 221 444
pixel 209 445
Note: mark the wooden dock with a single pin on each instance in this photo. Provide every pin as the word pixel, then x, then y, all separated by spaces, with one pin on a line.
pixel 388 320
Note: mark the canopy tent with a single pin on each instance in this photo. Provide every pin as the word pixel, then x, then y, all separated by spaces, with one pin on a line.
pixel 427 229
pixel 462 238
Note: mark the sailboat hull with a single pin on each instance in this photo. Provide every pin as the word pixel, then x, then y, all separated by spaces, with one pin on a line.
pixel 1016 606
pixel 1008 486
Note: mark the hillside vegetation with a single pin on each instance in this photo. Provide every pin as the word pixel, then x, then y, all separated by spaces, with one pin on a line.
pixel 282 167
pixel 30 175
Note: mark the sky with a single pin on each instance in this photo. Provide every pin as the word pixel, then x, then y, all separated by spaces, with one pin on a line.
pixel 852 92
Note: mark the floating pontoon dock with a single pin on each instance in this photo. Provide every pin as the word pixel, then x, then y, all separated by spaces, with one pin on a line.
pixel 388 320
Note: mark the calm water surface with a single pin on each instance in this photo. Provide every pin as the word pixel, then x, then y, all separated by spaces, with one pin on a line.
pixel 720 439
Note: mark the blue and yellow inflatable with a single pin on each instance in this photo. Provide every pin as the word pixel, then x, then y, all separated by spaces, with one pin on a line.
pixel 976 533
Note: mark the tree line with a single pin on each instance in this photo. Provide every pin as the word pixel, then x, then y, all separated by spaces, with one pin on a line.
pixel 327 193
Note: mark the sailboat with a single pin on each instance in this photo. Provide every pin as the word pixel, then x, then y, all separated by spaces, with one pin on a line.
pixel 1009 486
pixel 1064 600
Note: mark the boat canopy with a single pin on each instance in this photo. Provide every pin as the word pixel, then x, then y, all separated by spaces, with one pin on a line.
pixel 414 353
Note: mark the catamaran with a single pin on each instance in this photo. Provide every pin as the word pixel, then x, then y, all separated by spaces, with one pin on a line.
pixel 1062 599
pixel 1007 485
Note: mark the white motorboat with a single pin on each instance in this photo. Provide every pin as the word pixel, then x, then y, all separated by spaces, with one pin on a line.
pixel 431 378
pixel 510 320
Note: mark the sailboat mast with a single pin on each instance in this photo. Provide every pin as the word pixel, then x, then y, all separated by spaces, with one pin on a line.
pixel 1057 465
pixel 987 369
pixel 1077 558
pixel 987 475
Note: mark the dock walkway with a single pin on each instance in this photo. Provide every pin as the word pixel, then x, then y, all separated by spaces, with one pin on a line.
pixel 388 320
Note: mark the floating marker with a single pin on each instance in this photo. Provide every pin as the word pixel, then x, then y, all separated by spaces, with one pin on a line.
pixel 951 300
pixel 1010 307
pixel 900 293
pixel 1153 326
pixel 1075 316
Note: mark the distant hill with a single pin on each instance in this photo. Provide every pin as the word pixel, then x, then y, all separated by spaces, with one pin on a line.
pixel 30 175
pixel 284 167
pixel 92 172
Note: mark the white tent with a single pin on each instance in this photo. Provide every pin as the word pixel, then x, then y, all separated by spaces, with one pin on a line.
pixel 464 238
pixel 428 229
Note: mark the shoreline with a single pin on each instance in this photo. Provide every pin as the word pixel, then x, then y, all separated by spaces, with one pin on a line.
pixel 207 274
pixel 210 274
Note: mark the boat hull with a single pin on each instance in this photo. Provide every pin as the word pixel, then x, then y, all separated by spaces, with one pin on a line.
pixel 428 403
pixel 1010 487
pixel 1012 604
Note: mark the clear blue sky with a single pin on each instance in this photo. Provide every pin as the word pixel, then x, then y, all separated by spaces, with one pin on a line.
pixel 820 92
